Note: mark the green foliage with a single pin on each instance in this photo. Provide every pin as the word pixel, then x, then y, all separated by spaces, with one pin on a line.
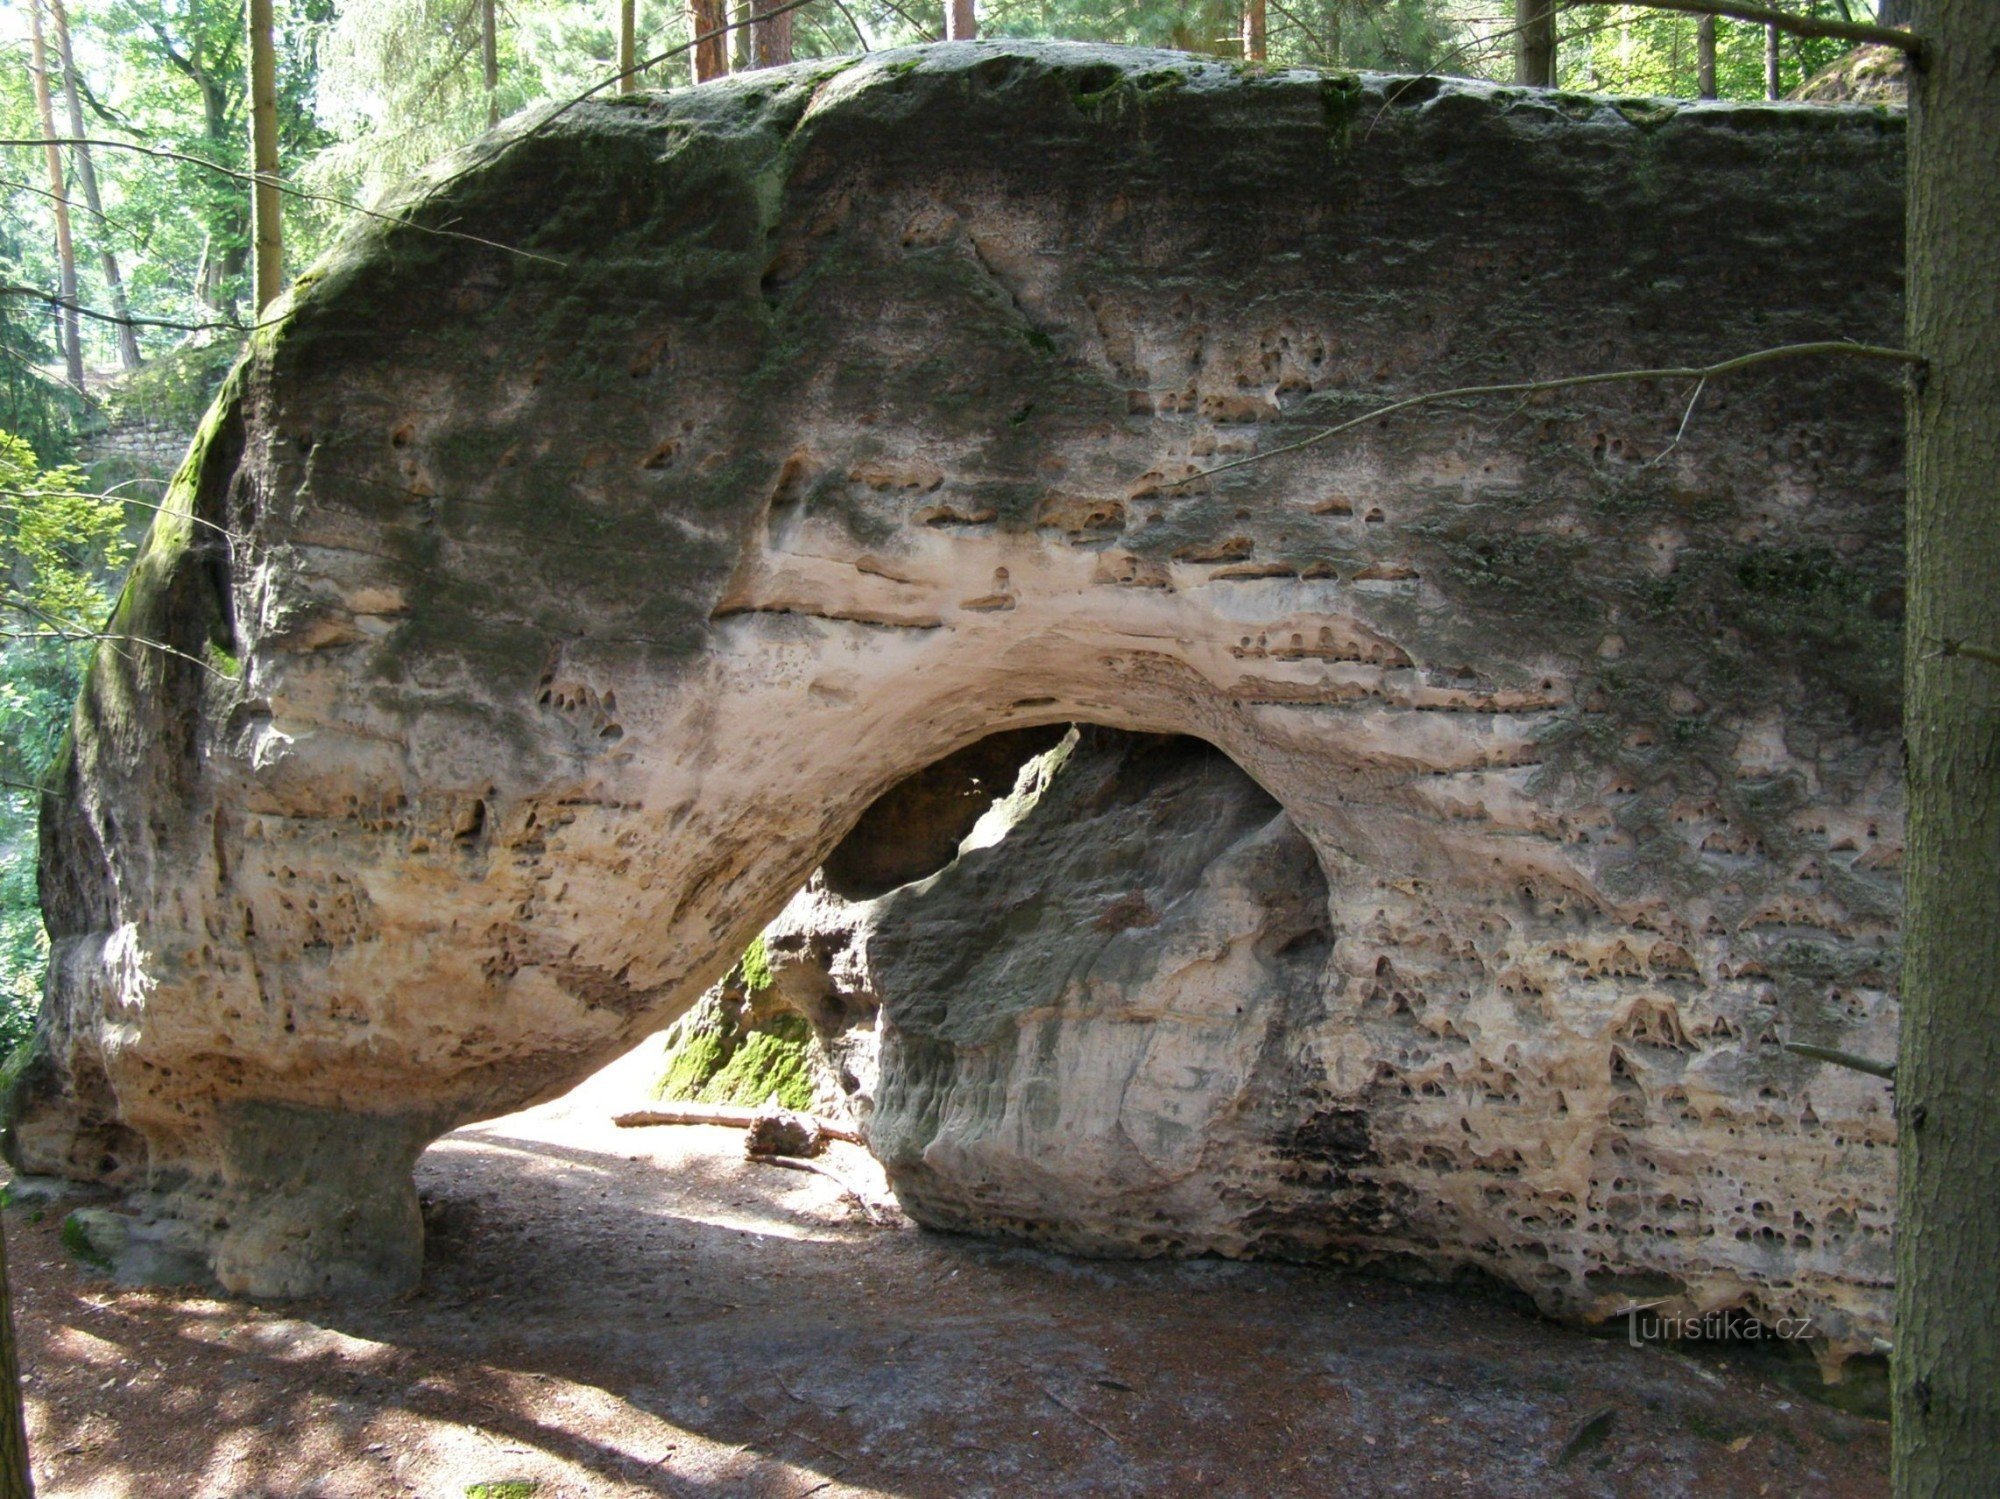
pixel 59 547
pixel 175 388
pixel 1630 49
pixel 504 1488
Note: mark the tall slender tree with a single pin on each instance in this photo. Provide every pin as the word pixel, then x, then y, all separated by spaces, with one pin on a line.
pixel 66 314
pixel 489 58
pixel 706 18
pixel 1704 56
pixel 266 223
pixel 1535 43
pixel 1947 1358
pixel 86 176
pixel 1773 84
pixel 1256 39
pixel 17 1479
pixel 628 46
pixel 770 34
pixel 961 25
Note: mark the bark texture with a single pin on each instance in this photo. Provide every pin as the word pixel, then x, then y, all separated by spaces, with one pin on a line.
pixel 86 176
pixel 267 232
pixel 1947 1363
pixel 706 18
pixel 1535 43
pixel 71 336
pixel 17 1476
pixel 577 611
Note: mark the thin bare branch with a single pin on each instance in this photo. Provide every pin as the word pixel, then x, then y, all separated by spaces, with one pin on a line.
pixel 128 320
pixel 1845 1059
pixel 653 62
pixel 1970 652
pixel 1699 373
pixel 266 179
pixel 122 499
pixel 1798 25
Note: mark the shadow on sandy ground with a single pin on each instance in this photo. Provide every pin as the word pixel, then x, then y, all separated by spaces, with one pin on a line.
pixel 618 1313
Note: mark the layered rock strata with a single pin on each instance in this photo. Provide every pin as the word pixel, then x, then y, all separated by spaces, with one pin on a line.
pixel 573 562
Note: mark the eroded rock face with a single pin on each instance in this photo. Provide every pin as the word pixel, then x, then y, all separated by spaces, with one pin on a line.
pixel 1098 1031
pixel 571 609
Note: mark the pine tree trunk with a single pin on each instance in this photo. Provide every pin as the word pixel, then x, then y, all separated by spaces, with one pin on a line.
pixel 1947 1355
pixel 628 46
pixel 17 1479
pixel 71 332
pixel 960 25
pixel 86 173
pixel 1704 56
pixel 489 56
pixel 770 35
pixel 1256 47
pixel 1535 43
pixel 1772 89
pixel 711 56
pixel 266 229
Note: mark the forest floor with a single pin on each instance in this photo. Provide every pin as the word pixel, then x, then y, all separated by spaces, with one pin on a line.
pixel 643 1312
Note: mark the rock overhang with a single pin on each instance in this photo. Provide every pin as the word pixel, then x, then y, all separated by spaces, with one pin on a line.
pixel 739 450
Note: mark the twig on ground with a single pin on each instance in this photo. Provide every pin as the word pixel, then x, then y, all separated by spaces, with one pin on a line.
pixel 1061 1404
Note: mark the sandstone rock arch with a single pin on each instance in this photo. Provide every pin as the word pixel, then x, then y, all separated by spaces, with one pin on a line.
pixel 538 624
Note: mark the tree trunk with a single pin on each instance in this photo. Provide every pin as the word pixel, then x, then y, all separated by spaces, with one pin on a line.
pixel 711 56
pixel 960 25
pixel 1256 46
pixel 266 228
pixel 1704 56
pixel 17 1478
pixel 739 37
pixel 770 35
pixel 66 316
pixel 1893 13
pixel 86 172
pixel 628 46
pixel 489 55
pixel 1535 43
pixel 1771 87
pixel 1947 1358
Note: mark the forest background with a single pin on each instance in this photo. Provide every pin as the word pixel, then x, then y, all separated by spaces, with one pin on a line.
pixel 366 92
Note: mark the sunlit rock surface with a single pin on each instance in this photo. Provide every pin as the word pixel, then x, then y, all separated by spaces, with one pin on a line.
pixel 540 617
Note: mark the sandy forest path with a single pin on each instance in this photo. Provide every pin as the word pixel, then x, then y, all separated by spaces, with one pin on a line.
pixel 641 1312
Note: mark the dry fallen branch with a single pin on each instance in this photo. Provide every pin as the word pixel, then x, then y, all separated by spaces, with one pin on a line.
pixel 1700 374
pixel 730 1116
